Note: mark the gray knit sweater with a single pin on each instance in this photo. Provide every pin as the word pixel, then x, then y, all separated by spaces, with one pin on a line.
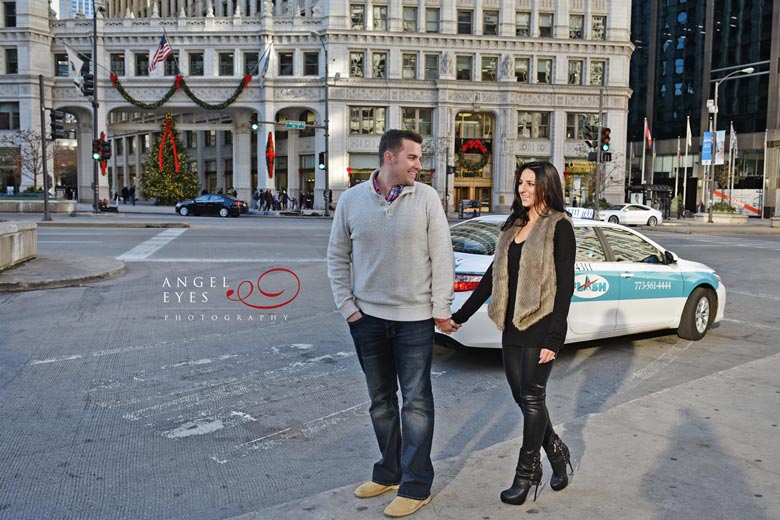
pixel 391 260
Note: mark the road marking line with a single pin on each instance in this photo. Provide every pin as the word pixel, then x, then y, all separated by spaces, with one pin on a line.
pixel 69 241
pixel 145 249
pixel 754 295
pixel 224 260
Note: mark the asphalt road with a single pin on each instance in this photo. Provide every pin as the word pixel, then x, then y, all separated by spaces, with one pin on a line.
pixel 157 396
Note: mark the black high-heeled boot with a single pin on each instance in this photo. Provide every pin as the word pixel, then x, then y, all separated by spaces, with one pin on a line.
pixel 528 473
pixel 559 456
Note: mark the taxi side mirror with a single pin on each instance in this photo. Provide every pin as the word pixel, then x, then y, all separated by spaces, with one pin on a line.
pixel 670 257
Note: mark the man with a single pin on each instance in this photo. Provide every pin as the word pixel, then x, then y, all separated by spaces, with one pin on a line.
pixel 391 266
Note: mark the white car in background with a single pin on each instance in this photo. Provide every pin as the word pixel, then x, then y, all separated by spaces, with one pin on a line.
pixel 631 215
pixel 624 283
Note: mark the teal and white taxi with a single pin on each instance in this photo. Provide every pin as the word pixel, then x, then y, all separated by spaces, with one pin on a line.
pixel 624 283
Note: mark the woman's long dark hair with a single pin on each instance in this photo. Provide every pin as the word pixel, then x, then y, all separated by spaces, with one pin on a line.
pixel 549 193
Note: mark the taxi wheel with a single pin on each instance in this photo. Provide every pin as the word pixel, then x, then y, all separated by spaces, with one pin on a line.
pixel 614 219
pixel 697 314
pixel 652 221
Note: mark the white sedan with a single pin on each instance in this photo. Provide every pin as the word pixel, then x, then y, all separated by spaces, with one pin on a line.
pixel 631 215
pixel 624 283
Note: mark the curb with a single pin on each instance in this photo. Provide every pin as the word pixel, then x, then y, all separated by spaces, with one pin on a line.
pixel 22 285
pixel 59 223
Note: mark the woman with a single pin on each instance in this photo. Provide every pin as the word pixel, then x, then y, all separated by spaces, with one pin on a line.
pixel 531 281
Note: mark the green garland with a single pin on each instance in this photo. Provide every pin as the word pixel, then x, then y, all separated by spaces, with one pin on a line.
pixel 179 82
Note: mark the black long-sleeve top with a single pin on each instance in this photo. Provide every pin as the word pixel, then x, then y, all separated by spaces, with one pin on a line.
pixel 550 331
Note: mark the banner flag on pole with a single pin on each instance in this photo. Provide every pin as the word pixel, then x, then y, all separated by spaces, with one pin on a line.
pixel 720 147
pixel 263 65
pixel 75 64
pixel 163 51
pixel 688 134
pixel 734 149
pixel 647 134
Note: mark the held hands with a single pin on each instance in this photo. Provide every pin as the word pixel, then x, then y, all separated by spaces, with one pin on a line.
pixel 447 326
pixel 546 356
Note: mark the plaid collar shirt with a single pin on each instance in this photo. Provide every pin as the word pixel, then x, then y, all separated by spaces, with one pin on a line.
pixel 395 191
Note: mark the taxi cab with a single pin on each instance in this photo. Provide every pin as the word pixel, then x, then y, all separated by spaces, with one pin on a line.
pixel 624 283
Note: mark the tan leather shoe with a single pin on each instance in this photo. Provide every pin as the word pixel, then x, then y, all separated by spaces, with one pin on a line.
pixel 402 506
pixel 372 489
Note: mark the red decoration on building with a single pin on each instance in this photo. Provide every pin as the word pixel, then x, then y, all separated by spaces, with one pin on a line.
pixel 168 134
pixel 270 154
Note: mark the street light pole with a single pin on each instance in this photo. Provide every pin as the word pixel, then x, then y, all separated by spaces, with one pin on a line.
pixel 747 70
pixel 95 192
pixel 326 122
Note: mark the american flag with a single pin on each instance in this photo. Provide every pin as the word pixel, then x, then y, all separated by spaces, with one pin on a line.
pixel 163 51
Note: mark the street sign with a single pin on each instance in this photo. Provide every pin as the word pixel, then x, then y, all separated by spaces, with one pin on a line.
pixel 295 125
pixel 706 148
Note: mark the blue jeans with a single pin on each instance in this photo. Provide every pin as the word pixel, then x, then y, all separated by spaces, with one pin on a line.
pixel 393 353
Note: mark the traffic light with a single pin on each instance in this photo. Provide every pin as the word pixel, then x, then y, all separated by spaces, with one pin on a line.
pixel 322 164
pixel 57 124
pixel 605 145
pixel 450 170
pixel 589 133
pixel 253 122
pixel 88 84
pixel 97 151
pixel 105 150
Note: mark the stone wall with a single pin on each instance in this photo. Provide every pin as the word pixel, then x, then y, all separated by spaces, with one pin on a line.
pixel 36 206
pixel 18 242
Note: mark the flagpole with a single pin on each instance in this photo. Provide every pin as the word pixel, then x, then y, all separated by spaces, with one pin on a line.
pixel 644 146
pixel 685 171
pixel 763 182
pixel 731 163
pixel 677 168
pixel 173 53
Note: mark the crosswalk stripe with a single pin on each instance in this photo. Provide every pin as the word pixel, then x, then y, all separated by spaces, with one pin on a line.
pixel 145 249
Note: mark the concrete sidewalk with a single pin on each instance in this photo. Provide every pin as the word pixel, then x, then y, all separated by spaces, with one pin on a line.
pixel 52 272
pixel 703 449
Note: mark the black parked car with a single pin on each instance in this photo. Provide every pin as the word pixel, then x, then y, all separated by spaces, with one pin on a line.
pixel 212 204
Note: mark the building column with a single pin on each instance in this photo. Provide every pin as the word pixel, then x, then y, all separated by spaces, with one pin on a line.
pixel 218 137
pixel 242 157
pixel 200 141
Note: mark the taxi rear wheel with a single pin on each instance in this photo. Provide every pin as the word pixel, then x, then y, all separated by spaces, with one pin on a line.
pixel 697 314
pixel 652 221
pixel 614 219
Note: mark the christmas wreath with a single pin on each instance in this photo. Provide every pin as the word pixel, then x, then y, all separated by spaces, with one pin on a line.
pixel 178 83
pixel 473 146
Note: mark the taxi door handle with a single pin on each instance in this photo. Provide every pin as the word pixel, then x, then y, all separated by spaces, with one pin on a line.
pixel 626 275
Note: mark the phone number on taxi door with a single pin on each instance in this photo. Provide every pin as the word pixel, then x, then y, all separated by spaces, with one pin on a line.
pixel 652 286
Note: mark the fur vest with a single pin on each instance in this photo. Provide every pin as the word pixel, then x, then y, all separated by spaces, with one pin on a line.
pixel 536 285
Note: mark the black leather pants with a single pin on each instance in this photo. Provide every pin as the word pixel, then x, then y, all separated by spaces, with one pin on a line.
pixel 528 381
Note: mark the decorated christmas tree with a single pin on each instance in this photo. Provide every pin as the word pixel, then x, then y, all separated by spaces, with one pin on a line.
pixel 166 174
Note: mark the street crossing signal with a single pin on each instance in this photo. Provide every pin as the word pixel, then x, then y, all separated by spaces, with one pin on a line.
pixel 105 150
pixel 450 170
pixel 253 122
pixel 589 132
pixel 57 124
pixel 606 155
pixel 322 164
pixel 96 149
pixel 88 84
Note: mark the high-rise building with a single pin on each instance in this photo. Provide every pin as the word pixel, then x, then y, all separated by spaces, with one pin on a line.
pixel 683 49
pixel 74 8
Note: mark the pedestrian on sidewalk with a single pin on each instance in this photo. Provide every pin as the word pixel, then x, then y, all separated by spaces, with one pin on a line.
pixel 530 282
pixel 390 265
pixel 132 195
